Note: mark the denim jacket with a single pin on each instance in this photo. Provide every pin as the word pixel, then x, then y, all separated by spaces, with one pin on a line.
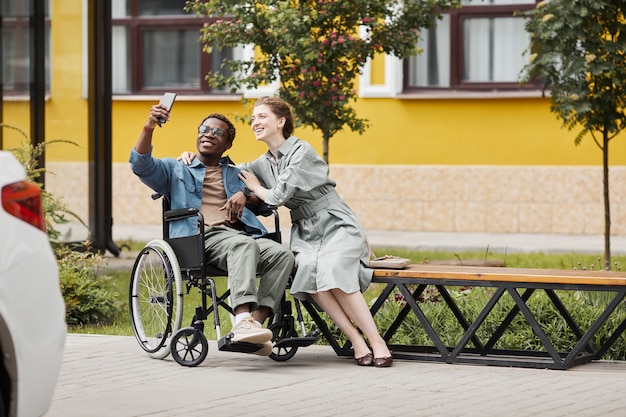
pixel 182 185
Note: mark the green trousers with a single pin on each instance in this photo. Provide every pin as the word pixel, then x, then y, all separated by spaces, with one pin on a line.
pixel 244 257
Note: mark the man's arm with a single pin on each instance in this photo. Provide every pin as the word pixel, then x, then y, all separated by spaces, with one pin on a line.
pixel 151 171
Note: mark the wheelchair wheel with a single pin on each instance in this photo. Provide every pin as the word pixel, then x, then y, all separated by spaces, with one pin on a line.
pixel 189 346
pixel 282 330
pixel 156 298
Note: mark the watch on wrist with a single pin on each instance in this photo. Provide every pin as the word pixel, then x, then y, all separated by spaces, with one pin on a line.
pixel 246 191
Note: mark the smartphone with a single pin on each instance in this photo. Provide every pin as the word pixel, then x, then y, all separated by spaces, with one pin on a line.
pixel 168 102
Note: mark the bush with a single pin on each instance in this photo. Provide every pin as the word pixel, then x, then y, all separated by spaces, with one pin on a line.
pixel 89 298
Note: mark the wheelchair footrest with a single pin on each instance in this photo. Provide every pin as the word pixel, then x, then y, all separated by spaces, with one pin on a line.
pixel 226 344
pixel 307 340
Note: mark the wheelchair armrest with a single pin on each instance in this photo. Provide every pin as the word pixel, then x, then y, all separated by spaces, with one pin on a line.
pixel 179 214
pixel 265 210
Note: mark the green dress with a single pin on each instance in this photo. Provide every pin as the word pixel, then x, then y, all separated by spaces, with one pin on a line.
pixel 326 236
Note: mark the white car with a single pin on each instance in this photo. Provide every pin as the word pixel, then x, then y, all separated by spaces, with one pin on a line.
pixel 32 310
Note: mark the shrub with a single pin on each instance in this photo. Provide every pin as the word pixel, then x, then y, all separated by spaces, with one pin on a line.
pixel 583 306
pixel 89 298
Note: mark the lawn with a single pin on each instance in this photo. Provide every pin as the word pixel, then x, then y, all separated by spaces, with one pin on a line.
pixel 120 281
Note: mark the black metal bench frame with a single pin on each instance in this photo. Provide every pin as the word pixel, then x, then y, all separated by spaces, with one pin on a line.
pixel 520 284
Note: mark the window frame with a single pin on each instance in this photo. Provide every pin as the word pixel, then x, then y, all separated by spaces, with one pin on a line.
pixel 136 26
pixel 457 18
pixel 21 22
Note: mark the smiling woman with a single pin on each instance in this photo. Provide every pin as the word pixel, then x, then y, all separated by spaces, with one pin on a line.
pixel 326 236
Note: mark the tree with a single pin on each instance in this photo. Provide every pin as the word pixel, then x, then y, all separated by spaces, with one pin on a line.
pixel 316 49
pixel 578 50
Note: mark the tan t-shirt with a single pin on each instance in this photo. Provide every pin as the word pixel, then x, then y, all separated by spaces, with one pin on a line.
pixel 213 197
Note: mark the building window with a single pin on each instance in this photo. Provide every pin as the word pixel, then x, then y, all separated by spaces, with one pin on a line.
pixel 476 47
pixel 155 48
pixel 16 46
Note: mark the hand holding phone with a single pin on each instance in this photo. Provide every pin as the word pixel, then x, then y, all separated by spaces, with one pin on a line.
pixel 167 101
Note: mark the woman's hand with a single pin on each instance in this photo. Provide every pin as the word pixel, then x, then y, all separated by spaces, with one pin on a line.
pixel 186 157
pixel 251 181
pixel 253 184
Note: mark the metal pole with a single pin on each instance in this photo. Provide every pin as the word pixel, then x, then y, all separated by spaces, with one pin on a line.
pixel 37 26
pixel 100 130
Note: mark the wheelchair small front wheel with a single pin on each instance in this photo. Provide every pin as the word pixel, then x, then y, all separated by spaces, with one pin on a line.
pixel 189 346
pixel 281 331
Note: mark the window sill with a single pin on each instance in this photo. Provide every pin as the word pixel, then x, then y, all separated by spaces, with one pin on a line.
pixel 190 97
pixel 458 94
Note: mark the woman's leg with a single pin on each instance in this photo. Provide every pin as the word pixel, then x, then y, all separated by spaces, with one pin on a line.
pixel 355 308
pixel 327 301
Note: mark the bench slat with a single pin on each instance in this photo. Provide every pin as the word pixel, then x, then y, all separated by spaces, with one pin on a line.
pixel 529 275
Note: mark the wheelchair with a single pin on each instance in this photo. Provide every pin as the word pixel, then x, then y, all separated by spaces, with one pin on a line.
pixel 167 268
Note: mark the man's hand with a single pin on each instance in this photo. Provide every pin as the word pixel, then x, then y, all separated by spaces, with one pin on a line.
pixel 157 111
pixel 234 207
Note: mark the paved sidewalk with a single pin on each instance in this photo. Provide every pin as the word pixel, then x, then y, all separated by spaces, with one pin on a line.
pixel 111 376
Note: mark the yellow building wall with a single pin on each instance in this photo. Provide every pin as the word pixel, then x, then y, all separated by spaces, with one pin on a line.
pixel 514 131
pixel 492 164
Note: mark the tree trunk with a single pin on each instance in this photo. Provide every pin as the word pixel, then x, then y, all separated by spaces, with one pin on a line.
pixel 607 206
pixel 325 144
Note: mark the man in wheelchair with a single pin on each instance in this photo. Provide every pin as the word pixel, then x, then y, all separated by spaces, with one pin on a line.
pixel 231 243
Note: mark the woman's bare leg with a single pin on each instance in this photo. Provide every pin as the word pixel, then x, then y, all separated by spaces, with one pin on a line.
pixel 355 307
pixel 327 301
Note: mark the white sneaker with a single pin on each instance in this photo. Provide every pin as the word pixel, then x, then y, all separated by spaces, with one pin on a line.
pixel 248 330
pixel 265 350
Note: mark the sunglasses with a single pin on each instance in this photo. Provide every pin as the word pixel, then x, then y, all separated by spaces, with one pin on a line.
pixel 217 132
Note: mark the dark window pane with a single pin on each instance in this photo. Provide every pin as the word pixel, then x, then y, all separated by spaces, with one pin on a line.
pixel 217 57
pixel 20 8
pixel 160 7
pixel 171 58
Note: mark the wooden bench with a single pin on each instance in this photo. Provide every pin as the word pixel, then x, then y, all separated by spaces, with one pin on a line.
pixel 519 284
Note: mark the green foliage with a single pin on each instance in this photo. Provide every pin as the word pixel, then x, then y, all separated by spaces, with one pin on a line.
pixel 316 48
pixel 88 295
pixel 55 210
pixel 512 260
pixel 578 51
pixel 584 307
